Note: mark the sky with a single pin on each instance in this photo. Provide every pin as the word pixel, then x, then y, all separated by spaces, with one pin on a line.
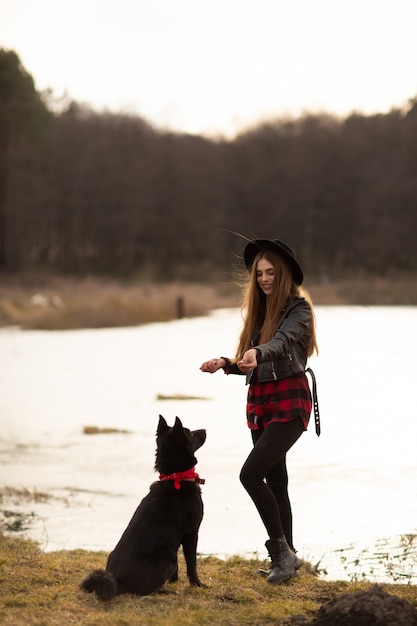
pixel 216 67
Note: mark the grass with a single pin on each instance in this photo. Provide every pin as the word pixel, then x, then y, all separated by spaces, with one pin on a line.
pixel 41 589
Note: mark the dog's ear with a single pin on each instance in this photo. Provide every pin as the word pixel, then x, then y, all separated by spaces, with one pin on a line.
pixel 178 424
pixel 162 425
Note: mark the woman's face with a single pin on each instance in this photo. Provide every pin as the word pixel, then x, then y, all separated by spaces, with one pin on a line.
pixel 265 274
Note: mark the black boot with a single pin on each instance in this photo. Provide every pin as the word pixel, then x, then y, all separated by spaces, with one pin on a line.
pixel 283 560
pixel 298 563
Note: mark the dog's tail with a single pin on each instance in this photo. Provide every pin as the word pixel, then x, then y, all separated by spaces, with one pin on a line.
pixel 103 584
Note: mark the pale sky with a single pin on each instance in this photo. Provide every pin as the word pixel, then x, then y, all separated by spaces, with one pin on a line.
pixel 217 66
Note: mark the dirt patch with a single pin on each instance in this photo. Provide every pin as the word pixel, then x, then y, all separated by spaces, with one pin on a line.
pixel 362 608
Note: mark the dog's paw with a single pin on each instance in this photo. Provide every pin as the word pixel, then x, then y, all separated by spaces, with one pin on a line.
pixel 198 583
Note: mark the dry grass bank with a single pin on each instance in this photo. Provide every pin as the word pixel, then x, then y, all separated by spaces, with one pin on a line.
pixel 54 302
pixel 41 589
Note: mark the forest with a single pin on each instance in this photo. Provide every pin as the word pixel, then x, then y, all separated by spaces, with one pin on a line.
pixel 85 192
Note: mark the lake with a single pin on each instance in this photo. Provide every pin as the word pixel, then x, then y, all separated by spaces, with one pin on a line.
pixel 353 490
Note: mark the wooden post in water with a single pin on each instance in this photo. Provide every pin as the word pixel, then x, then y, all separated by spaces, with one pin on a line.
pixel 180 307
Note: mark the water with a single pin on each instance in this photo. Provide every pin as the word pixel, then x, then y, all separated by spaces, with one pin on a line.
pixel 353 490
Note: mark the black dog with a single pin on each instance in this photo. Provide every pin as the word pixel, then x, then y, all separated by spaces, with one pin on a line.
pixel 169 516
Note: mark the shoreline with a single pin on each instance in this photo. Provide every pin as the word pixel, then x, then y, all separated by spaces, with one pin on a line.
pixel 51 302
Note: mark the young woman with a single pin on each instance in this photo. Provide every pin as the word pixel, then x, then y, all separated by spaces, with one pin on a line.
pixel 277 337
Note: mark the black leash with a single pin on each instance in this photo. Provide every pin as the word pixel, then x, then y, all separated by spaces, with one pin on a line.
pixel 315 402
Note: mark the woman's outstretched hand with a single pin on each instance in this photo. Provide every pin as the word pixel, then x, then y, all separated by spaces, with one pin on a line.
pixel 248 362
pixel 213 365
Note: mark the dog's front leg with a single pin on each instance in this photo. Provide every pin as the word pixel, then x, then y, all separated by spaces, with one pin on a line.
pixel 189 546
pixel 174 577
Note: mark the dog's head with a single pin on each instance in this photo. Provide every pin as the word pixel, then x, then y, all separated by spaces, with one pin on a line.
pixel 175 446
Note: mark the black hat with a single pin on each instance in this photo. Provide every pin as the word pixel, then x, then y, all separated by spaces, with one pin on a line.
pixel 275 245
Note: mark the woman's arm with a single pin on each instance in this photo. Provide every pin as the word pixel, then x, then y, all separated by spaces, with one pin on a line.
pixel 294 326
pixel 213 365
pixel 222 362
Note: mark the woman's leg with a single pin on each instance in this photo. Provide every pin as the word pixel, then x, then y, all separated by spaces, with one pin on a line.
pixel 277 481
pixel 267 461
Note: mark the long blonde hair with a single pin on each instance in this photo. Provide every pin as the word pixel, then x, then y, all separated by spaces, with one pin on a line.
pixel 261 313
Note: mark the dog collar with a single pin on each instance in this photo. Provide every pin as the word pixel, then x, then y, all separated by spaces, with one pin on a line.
pixel 177 477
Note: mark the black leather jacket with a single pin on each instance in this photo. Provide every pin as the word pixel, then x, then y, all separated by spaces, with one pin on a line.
pixel 286 353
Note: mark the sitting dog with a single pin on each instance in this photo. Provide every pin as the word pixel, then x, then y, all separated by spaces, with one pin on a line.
pixel 169 516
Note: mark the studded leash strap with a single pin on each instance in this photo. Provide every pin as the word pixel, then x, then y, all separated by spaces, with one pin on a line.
pixel 315 402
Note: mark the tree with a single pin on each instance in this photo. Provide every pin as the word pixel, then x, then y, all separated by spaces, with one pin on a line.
pixel 23 121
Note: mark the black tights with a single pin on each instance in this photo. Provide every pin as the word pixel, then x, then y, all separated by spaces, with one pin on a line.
pixel 267 462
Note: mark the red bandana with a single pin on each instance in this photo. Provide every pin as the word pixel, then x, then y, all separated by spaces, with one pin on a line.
pixel 177 477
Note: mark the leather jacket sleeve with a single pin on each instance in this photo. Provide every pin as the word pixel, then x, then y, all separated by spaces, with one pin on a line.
pixel 286 353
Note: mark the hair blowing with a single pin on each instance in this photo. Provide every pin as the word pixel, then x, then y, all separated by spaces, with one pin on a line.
pixel 262 313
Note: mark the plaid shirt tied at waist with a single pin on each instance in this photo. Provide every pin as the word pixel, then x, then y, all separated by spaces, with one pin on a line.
pixel 282 401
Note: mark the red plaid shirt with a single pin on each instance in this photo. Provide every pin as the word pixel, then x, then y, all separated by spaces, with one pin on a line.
pixel 278 400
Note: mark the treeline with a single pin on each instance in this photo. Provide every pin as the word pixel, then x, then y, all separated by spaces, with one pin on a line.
pixel 86 192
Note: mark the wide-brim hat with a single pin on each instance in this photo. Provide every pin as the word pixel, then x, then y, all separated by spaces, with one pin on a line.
pixel 275 245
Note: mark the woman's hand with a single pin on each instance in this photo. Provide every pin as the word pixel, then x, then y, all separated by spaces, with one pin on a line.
pixel 213 365
pixel 248 361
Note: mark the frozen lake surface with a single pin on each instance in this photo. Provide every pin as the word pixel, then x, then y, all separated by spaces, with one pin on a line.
pixel 353 490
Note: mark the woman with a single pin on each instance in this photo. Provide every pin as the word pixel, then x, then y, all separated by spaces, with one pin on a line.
pixel 277 337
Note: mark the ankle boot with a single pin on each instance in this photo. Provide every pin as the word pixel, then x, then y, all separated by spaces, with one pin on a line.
pixel 283 560
pixel 265 572
pixel 298 563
